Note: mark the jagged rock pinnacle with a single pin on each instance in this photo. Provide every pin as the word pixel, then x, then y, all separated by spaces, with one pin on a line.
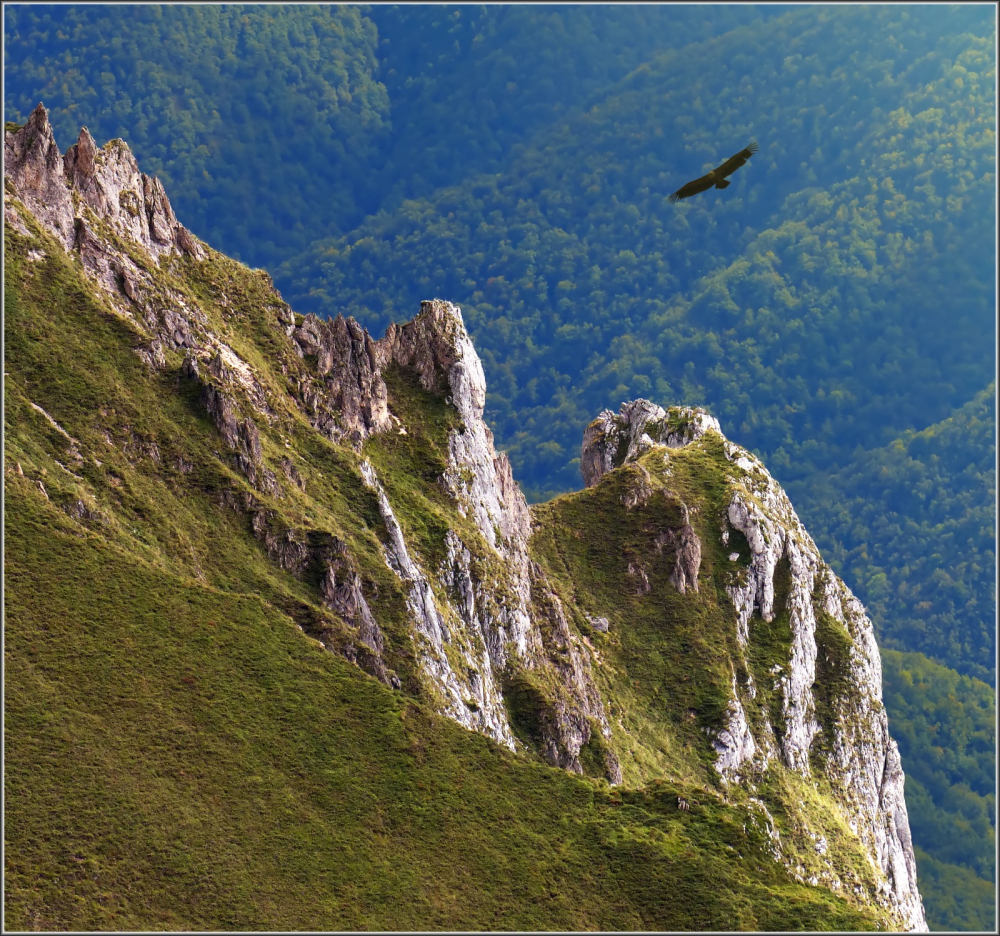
pixel 107 181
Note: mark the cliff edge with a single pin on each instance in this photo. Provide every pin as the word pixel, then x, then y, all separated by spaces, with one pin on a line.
pixel 672 622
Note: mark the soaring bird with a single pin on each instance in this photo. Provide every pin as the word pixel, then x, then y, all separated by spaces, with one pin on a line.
pixel 716 177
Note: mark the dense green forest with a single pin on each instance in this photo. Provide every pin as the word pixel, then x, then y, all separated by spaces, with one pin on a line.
pixel 251 121
pixel 911 525
pixel 835 307
pixel 270 131
pixel 945 727
pixel 582 287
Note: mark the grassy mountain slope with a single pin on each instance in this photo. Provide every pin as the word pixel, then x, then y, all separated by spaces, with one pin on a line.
pixel 179 754
pixel 861 219
pixel 836 309
pixel 928 75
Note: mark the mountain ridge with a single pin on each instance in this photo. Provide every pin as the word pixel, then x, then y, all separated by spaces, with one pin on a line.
pixel 422 566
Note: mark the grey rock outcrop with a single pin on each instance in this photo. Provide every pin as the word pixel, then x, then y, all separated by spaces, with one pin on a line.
pixel 109 182
pixel 613 440
pixel 576 711
pixel 119 221
pixel 472 697
pixel 350 399
pixel 289 549
pixel 240 434
pixel 34 165
pixel 480 479
pixel 734 743
pixel 683 541
pixel 499 608
pixel 785 574
pixel 105 180
pixel 341 590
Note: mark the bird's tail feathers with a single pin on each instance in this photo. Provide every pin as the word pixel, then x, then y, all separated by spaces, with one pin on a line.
pixel 723 183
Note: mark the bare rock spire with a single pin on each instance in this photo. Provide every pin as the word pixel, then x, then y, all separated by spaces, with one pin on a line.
pixel 107 181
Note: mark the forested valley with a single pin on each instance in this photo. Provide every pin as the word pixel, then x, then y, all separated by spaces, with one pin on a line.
pixel 835 307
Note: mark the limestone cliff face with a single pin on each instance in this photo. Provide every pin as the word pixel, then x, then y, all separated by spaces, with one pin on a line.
pixel 496 596
pixel 860 759
pixel 497 640
pixel 108 181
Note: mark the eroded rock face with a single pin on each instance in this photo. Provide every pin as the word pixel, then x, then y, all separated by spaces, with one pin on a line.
pixel 487 614
pixel 96 201
pixel 33 163
pixel 342 592
pixel 735 742
pixel 106 180
pixel 865 767
pixel 786 575
pixel 437 347
pixel 109 182
pixel 577 710
pixel 761 511
pixel 614 440
pixel 683 541
pixel 350 400
pixel 241 435
pixel 471 697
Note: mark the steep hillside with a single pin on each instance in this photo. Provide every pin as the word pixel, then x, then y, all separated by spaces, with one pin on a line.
pixel 913 524
pixel 536 145
pixel 216 507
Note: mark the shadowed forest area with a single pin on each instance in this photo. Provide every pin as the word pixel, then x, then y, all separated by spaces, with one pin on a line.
pixel 834 307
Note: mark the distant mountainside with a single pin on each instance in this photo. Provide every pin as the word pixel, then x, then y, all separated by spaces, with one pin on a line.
pixel 912 524
pixel 803 306
pixel 360 106
pixel 945 725
pixel 287 648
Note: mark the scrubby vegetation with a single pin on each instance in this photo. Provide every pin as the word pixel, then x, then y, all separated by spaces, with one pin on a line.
pixel 945 725
pixel 911 524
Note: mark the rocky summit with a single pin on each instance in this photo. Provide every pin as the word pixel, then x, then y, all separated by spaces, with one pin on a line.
pixel 666 647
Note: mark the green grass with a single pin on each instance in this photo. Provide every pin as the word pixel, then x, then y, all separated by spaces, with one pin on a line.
pixel 181 755
pixel 833 681
pixel 668 659
pixel 673 650
pixel 410 466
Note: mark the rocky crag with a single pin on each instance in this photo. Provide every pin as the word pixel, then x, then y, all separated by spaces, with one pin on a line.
pixel 673 619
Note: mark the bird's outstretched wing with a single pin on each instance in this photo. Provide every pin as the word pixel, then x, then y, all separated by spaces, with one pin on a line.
pixel 716 177
pixel 692 188
pixel 734 162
